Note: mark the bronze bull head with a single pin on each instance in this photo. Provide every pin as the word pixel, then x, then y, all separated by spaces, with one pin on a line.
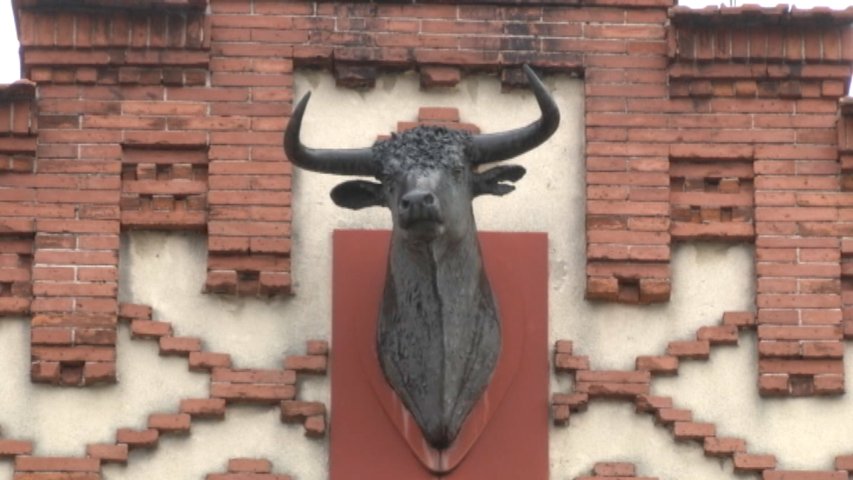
pixel 439 333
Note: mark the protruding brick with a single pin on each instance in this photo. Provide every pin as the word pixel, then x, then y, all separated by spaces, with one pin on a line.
pixel 773 384
pixel 658 365
pixel 614 469
pixel 699 349
pixel 131 311
pixel 693 430
pixel 746 462
pixel 315 426
pixel 107 452
pixel 150 329
pixel 249 465
pixel 723 446
pixel 436 76
pixel 138 438
pixel 563 346
pixel 56 464
pixel 719 335
pixel 179 345
pixel 199 361
pixel 570 363
pixel 739 319
pixel 561 414
pixel 306 363
pixel 11 448
pixel 203 407
pixel 602 288
pixel 296 410
pixel 170 422
pixel 317 347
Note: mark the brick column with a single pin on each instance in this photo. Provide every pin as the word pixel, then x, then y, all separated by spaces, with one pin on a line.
pixel 767 96
pixel 102 75
pixel 250 200
pixel 18 136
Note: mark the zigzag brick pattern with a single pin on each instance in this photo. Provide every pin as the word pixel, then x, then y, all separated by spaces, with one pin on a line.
pixel 228 386
pixel 635 386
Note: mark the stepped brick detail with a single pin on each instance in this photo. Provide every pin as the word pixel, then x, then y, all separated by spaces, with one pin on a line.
pixel 228 386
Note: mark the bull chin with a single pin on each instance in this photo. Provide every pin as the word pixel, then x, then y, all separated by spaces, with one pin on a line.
pixel 422 230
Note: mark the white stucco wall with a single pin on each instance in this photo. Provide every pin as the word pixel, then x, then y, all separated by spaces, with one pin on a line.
pixel 167 271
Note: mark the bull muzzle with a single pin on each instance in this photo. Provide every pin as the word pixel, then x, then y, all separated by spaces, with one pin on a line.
pixel 420 211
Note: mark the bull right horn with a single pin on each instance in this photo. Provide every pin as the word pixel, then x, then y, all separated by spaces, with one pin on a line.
pixel 355 161
pixel 494 147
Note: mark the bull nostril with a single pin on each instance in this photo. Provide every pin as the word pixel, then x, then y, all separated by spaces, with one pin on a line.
pixel 404 204
pixel 428 199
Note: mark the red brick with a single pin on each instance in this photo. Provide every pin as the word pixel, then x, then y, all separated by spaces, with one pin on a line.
pixel 693 430
pixel 204 407
pixel 208 360
pixel 292 410
pixel 11 448
pixel 256 376
pixel 699 349
pixel 150 329
pixel 108 452
pixel 612 469
pixel 570 363
pixel 803 475
pixel 315 426
pixel 179 345
pixel 249 465
pixel 171 423
pixel 306 363
pixel 317 347
pixel 269 393
pixel 660 365
pixel 745 462
pixel 64 464
pixel 723 446
pixel 138 438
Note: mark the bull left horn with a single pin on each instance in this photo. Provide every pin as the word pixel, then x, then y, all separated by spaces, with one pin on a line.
pixel 494 147
pixel 355 161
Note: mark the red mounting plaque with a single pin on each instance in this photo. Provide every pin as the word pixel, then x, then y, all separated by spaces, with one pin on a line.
pixel 506 434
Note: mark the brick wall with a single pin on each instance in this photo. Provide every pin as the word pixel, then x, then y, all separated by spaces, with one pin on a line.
pixel 705 128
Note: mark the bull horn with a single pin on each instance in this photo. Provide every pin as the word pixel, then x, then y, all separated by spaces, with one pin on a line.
pixel 494 147
pixel 355 161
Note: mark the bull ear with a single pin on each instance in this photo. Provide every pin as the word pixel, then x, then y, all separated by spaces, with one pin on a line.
pixel 356 194
pixel 488 182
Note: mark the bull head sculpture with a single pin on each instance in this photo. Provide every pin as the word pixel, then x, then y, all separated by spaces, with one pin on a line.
pixel 439 334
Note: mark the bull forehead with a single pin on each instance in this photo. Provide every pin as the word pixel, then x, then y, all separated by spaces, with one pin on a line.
pixel 423 149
